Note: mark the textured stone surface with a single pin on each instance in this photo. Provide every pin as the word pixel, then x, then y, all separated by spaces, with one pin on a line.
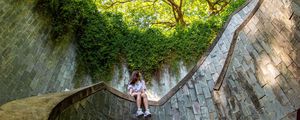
pixel 264 91
pixel 30 63
pixel 194 101
pixel 262 80
pixel 32 108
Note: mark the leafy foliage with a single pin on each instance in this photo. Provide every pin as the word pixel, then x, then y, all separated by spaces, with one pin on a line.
pixel 164 13
pixel 108 37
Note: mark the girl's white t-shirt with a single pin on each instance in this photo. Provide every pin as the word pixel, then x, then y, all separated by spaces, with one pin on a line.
pixel 138 86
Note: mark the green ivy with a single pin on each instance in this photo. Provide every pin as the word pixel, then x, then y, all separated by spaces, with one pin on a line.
pixel 104 39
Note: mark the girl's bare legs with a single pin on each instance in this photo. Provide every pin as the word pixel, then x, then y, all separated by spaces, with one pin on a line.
pixel 145 100
pixel 139 112
pixel 138 100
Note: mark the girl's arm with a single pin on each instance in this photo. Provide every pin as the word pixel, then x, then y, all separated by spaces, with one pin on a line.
pixel 130 92
pixel 144 86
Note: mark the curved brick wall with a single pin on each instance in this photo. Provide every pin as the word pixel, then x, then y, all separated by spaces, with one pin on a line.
pixel 263 77
pixel 29 62
pixel 261 80
pixel 252 72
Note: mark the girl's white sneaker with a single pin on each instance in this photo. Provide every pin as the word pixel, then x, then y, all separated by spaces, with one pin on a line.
pixel 147 113
pixel 139 113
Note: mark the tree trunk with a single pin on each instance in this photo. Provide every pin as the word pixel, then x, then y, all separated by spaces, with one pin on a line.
pixel 177 12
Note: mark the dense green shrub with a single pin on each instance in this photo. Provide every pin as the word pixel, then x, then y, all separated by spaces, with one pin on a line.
pixel 104 39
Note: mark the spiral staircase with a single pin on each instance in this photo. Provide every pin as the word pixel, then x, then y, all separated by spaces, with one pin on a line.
pixel 251 71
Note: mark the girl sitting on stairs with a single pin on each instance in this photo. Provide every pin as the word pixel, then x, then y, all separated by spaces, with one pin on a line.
pixel 137 89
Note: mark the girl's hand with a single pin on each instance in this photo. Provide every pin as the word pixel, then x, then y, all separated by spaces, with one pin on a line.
pixel 143 91
pixel 135 93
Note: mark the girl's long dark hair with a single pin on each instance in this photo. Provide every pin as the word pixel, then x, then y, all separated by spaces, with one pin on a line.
pixel 135 76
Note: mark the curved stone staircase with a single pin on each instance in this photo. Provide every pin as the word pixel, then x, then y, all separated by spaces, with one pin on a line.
pixel 246 74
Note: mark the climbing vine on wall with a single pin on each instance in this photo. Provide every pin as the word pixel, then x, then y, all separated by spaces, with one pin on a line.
pixel 105 37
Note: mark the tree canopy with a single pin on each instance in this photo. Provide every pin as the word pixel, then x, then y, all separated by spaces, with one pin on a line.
pixel 163 13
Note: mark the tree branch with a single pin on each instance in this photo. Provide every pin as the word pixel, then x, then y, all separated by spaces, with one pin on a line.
pixel 180 4
pixel 173 3
pixel 174 12
pixel 118 2
pixel 213 6
pixel 170 24
pixel 167 2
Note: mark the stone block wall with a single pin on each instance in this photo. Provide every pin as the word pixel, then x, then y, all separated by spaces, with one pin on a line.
pixel 104 105
pixel 30 63
pixel 107 107
pixel 263 78
pixel 262 81
pixel 194 100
